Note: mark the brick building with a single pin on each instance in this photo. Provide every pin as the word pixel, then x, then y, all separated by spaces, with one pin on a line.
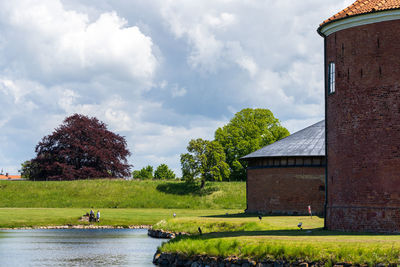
pixel 288 175
pixel 362 97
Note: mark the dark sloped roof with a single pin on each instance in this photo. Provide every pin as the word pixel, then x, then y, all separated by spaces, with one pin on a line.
pixel 307 142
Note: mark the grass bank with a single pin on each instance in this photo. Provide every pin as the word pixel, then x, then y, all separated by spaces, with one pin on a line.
pixel 121 194
pixel 278 238
pixel 34 217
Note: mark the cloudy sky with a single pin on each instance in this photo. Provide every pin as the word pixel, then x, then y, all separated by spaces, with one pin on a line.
pixel 159 72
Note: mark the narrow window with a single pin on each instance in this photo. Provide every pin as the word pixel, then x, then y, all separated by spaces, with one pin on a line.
pixel 348 74
pixel 331 78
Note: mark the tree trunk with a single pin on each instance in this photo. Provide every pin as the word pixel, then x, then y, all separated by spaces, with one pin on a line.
pixel 203 182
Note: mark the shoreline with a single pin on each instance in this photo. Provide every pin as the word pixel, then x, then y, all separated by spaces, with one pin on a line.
pixel 180 259
pixel 78 226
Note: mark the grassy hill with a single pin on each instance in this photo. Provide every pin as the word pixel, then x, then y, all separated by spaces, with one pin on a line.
pixel 121 194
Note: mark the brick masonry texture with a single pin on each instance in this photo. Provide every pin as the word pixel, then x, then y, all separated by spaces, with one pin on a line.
pixel 286 190
pixel 363 129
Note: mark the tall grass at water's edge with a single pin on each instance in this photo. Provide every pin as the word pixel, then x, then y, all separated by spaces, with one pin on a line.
pixel 121 194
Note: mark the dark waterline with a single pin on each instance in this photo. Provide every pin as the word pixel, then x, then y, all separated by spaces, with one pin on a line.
pixel 77 247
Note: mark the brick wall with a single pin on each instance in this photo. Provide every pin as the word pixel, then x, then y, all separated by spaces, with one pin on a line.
pixel 287 190
pixel 363 128
pixel 367 219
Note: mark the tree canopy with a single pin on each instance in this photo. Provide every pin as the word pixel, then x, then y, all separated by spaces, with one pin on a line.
pixel 248 131
pixel 205 161
pixel 80 148
pixel 144 173
pixel 164 173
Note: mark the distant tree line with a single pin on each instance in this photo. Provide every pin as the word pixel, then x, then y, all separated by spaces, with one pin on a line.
pixel 219 160
pixel 162 172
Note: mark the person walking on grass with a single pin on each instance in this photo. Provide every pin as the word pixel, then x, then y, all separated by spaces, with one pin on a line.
pixel 98 216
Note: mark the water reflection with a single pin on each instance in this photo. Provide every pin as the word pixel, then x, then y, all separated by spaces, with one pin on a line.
pixel 77 247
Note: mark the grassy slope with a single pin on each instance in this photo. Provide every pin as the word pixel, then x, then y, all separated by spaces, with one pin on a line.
pixel 279 238
pixel 121 194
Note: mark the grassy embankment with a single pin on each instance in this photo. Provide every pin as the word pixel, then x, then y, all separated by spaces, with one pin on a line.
pixel 278 238
pixel 121 194
pixel 122 203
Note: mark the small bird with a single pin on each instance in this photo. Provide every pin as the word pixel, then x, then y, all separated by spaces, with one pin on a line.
pixel 174 214
pixel 300 225
pixel 259 217
pixel 200 230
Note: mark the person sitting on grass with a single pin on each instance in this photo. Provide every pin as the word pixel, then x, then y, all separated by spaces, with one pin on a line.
pixel 98 216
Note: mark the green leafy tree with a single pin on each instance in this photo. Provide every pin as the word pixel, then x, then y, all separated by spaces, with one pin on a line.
pixel 189 167
pixel 205 161
pixel 248 131
pixel 136 174
pixel 27 170
pixel 144 173
pixel 164 173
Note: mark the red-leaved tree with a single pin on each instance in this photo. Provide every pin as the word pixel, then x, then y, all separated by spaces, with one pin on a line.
pixel 80 148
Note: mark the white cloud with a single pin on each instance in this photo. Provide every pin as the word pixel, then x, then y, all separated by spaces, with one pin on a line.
pixel 201 24
pixel 178 91
pixel 64 43
pixel 296 125
pixel 221 21
pixel 248 64
pixel 164 144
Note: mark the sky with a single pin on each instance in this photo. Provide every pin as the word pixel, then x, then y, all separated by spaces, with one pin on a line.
pixel 159 72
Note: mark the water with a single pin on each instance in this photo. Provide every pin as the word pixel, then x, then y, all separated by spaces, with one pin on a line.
pixel 77 247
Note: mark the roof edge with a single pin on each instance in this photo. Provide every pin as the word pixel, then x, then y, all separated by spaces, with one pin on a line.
pixel 286 156
pixel 249 156
pixel 351 21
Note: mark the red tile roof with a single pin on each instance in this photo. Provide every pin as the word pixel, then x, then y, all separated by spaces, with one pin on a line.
pixel 4 177
pixel 363 7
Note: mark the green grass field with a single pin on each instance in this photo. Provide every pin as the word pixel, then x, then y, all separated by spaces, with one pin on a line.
pixel 121 194
pixel 32 217
pixel 237 222
pixel 278 238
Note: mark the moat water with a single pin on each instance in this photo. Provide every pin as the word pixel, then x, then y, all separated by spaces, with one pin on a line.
pixel 77 247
